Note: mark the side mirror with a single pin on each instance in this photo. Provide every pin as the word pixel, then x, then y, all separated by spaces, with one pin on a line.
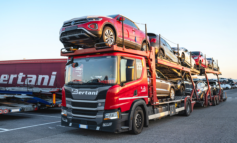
pixel 121 19
pixel 69 61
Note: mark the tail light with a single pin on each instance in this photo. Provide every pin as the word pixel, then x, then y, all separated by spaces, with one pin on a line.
pixel 93 26
pixel 153 40
pixel 63 98
pixel 198 90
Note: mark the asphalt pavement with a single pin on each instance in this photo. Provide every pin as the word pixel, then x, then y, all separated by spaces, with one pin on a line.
pixel 210 124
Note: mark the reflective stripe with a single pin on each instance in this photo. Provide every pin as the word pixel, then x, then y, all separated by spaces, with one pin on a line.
pixel 87 101
pixel 161 89
pixel 133 97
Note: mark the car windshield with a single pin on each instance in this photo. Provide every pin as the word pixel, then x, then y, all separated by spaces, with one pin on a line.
pixel 95 70
pixel 112 16
pixel 195 53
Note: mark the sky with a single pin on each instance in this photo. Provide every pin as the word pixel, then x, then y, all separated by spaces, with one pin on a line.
pixel 30 28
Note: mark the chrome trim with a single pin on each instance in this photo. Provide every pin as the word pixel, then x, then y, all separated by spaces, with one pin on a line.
pixel 162 114
pixel 75 35
pixel 82 108
pixel 84 30
pixel 87 101
pixel 86 116
pixel 179 109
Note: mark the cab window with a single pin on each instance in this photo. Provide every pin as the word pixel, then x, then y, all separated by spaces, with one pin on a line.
pixel 127 70
pixel 139 68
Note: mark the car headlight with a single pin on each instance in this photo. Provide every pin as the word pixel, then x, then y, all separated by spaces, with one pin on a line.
pixel 114 115
pixel 64 112
pixel 94 19
pixel 195 58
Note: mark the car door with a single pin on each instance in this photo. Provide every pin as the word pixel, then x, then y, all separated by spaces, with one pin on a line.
pixel 163 84
pixel 120 32
pixel 131 33
pixel 138 35
pixel 171 54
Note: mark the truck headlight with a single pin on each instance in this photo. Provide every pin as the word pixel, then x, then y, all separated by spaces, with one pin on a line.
pixel 64 112
pixel 114 115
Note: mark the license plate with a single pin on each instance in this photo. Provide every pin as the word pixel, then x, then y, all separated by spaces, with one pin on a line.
pixel 83 126
pixel 71 28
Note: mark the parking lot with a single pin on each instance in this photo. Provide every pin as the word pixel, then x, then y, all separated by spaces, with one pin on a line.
pixel 210 124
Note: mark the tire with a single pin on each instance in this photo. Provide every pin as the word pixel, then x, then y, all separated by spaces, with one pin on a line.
pixel 161 54
pixel 214 102
pixel 183 57
pixel 144 46
pixel 138 121
pixel 217 101
pixel 172 93
pixel 181 91
pixel 187 111
pixel 108 35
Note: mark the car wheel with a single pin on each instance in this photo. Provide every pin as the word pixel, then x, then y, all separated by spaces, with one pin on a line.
pixel 138 121
pixel 144 46
pixel 108 36
pixel 161 54
pixel 187 111
pixel 181 91
pixel 172 93
pixel 182 57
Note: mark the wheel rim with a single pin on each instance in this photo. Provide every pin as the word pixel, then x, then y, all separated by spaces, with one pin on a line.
pixel 109 36
pixel 182 58
pixel 144 47
pixel 172 94
pixel 138 120
pixel 188 108
pixel 161 54
pixel 182 91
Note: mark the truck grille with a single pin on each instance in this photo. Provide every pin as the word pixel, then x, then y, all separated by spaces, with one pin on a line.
pixel 83 104
pixel 67 33
pixel 81 21
pixel 83 122
pixel 84 112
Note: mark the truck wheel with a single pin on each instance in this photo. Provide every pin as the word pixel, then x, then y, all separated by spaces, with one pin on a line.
pixel 214 102
pixel 172 93
pixel 217 101
pixel 108 36
pixel 187 111
pixel 138 121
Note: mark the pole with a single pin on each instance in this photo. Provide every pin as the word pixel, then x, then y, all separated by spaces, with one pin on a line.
pixel 122 32
pixel 146 36
pixel 212 63
pixel 205 60
pixel 217 65
pixel 159 46
pixel 178 52
pixel 190 60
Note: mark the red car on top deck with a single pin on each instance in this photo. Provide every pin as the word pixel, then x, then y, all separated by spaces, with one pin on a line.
pixel 199 59
pixel 85 32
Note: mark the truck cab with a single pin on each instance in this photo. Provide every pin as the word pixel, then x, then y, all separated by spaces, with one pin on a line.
pixel 100 90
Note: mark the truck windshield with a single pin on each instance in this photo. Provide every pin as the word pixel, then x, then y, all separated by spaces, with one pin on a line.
pixel 94 70
pixel 195 53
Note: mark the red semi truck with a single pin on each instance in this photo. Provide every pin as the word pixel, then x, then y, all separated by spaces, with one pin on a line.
pixel 40 79
pixel 108 89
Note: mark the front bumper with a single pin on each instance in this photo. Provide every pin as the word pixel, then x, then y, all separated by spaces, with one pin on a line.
pixel 117 125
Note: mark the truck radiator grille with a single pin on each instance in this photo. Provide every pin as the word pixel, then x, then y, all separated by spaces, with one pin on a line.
pixel 84 112
pixel 83 104
pixel 81 21
pixel 83 122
